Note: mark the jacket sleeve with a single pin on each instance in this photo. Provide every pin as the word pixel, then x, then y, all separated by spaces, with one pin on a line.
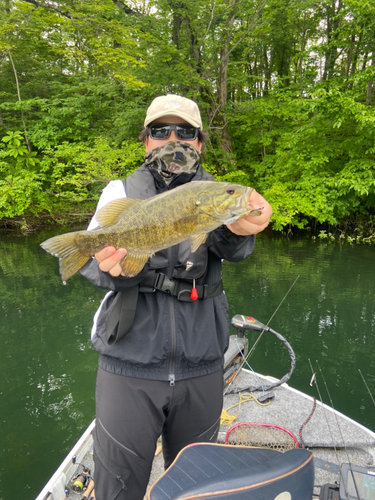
pixel 104 280
pixel 229 246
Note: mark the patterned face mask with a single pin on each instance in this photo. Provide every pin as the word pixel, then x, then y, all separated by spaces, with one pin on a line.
pixel 173 158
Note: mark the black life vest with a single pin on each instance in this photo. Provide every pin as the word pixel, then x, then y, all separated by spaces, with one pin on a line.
pixel 187 265
pixel 188 271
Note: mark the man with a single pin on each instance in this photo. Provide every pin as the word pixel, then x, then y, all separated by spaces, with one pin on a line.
pixel 161 353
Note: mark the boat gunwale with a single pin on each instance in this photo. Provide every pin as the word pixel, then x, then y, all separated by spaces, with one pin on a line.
pixel 66 464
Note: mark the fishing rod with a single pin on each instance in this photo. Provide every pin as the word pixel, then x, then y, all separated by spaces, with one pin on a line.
pixel 264 328
pixel 314 381
pixel 367 387
pixel 339 429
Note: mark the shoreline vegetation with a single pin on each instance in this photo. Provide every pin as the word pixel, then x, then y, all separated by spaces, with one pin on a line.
pixel 355 231
pixel 286 89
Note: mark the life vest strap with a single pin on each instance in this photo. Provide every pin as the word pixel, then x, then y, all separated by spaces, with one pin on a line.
pixel 178 288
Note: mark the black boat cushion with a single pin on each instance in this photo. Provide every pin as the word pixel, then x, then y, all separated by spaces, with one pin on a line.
pixel 225 472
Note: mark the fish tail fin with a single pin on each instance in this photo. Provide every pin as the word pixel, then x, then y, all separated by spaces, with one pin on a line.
pixel 72 258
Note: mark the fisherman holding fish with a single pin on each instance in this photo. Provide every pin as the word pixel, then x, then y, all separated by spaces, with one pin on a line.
pixel 162 329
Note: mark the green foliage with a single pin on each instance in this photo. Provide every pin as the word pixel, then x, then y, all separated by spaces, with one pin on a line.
pixel 286 90
pixel 17 153
pixel 78 172
pixel 18 193
pixel 311 157
pixel 68 174
pixel 19 181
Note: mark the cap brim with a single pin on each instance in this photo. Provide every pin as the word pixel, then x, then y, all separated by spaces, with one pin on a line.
pixel 186 118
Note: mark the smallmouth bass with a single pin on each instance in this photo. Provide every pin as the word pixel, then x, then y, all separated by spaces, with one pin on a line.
pixel 144 227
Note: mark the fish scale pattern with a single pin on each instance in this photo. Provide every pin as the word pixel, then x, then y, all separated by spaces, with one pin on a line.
pixel 144 227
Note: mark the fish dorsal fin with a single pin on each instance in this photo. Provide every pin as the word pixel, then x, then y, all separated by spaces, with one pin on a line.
pixel 108 214
pixel 133 264
pixel 196 241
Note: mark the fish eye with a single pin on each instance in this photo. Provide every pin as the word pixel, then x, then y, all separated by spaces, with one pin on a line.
pixel 230 190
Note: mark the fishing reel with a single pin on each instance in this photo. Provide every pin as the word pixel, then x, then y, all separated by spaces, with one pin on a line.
pixel 80 480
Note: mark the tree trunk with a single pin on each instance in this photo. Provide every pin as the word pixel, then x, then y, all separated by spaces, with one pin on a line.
pixel 303 47
pixel 350 53
pixel 20 101
pixel 176 27
pixel 267 71
pixel 353 66
pixel 183 32
pixel 226 143
pixel 370 84
pixel 333 23
pixel 364 64
pixel 2 124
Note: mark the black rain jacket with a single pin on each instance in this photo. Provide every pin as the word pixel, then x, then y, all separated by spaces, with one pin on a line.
pixel 169 339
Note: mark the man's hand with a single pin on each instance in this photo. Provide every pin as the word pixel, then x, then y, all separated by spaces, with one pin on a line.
pixel 253 224
pixel 109 259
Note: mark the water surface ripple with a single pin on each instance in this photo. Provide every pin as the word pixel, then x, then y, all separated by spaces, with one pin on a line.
pixel 48 368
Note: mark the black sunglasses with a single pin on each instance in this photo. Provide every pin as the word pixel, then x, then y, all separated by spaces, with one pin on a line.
pixel 184 132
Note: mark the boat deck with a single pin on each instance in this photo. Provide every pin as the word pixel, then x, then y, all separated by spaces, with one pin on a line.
pixel 330 435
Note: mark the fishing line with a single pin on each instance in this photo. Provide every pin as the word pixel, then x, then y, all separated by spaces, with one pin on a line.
pixel 245 361
pixel 258 339
pixel 367 387
pixel 342 437
pixel 313 380
pixel 271 318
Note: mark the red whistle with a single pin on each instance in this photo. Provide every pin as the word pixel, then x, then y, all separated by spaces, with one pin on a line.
pixel 194 294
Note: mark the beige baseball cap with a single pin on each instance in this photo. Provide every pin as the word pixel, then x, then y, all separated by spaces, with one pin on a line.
pixel 174 105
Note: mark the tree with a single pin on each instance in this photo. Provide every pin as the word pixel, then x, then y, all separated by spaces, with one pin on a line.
pixel 285 88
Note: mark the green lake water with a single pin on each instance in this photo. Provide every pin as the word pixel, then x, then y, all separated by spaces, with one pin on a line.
pixel 48 367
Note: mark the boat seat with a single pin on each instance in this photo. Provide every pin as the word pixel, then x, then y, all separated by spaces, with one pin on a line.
pixel 225 472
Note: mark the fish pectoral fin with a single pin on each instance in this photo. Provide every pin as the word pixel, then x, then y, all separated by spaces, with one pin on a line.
pixel 71 257
pixel 196 241
pixel 133 264
pixel 109 214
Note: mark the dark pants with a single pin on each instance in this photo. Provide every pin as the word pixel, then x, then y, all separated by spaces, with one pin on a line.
pixel 132 413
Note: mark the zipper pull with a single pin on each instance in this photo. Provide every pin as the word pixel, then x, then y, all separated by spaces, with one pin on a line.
pixel 194 293
pixel 171 380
